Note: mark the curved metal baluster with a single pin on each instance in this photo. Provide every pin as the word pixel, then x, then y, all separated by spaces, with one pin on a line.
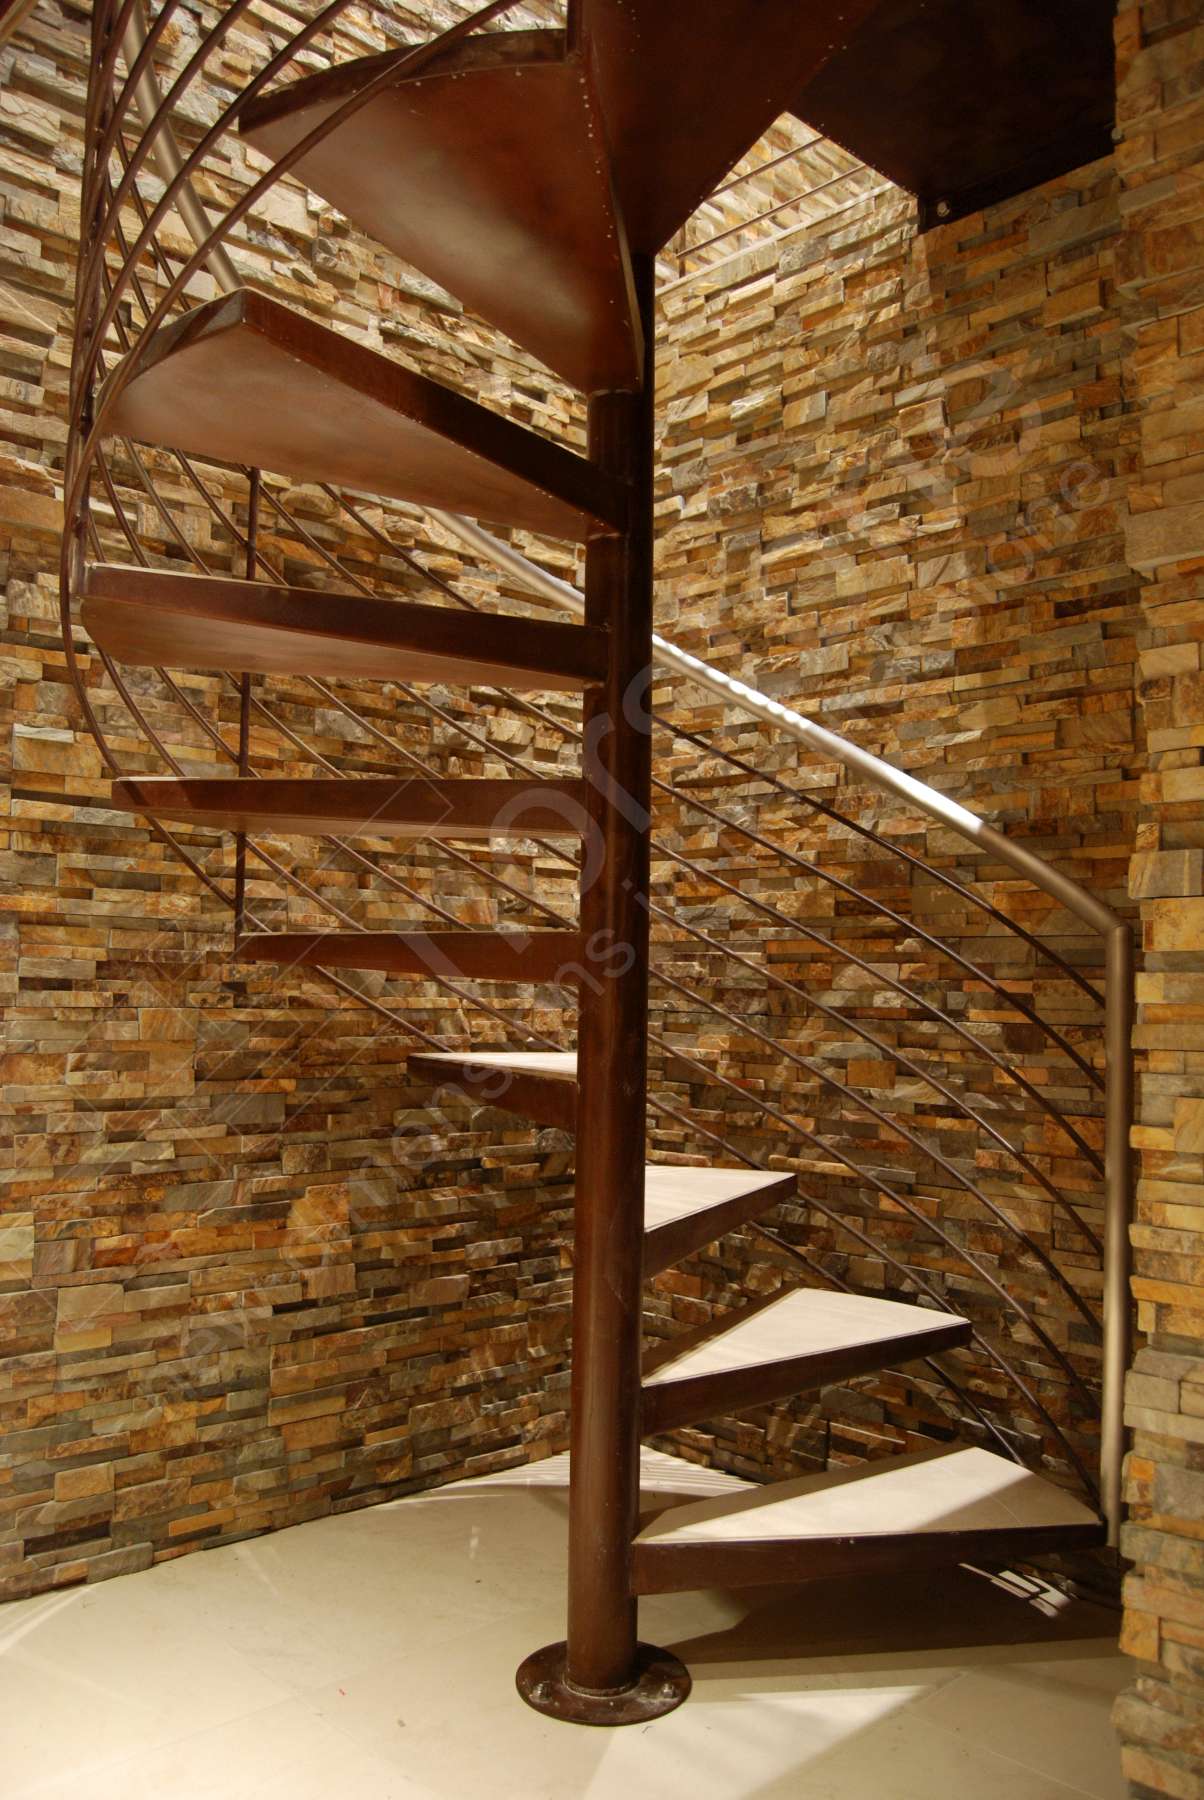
pixel 799 929
pixel 907 925
pixel 88 360
pixel 830 944
pixel 978 901
pixel 910 1277
pixel 861 1104
pixel 890 1051
pixel 963 1395
pixel 870 1179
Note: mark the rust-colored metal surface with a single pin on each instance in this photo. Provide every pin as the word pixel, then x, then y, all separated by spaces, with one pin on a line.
pixel 457 955
pixel 489 172
pixel 968 101
pixel 495 160
pixel 548 1099
pixel 658 1685
pixel 688 85
pixel 246 380
pixel 375 805
pixel 154 617
pixel 665 1568
pixel 790 1344
pixel 705 1219
pixel 612 1062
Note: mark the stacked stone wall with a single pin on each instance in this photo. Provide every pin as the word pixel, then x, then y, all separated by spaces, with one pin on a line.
pixel 1160 114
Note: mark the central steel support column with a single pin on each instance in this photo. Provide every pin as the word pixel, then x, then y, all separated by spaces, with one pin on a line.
pixel 602 1675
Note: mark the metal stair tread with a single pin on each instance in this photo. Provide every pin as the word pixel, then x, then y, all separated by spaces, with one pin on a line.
pixel 169 618
pixel 673 1192
pixel 685 1208
pixel 553 1065
pixel 245 379
pixel 656 71
pixel 488 170
pixel 916 94
pixel 524 956
pixel 803 1323
pixel 962 1489
pixel 375 806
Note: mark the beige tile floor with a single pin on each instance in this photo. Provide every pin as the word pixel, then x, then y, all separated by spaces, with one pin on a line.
pixel 371 1657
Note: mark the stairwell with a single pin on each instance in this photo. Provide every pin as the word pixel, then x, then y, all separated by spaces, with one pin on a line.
pixel 241 379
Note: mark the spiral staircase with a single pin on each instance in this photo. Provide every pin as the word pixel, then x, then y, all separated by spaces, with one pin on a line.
pixel 535 174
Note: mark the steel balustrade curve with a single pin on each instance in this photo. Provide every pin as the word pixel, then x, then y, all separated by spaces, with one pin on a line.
pixel 658 974
pixel 908 1276
pixel 862 1104
pixel 841 951
pixel 871 1179
pixel 1042 949
pixel 99 309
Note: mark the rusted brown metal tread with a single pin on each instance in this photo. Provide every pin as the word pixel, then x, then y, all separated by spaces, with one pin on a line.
pixel 687 1208
pixel 244 379
pixel 374 806
pixel 683 102
pixel 933 1508
pixel 800 1341
pixel 967 102
pixel 683 1208
pixel 489 171
pixel 536 1084
pixel 454 955
pixel 159 618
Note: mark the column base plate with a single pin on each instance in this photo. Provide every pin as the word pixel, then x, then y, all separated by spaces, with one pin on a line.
pixel 661 1684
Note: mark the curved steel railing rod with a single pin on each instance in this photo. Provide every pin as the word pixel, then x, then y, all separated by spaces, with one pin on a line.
pixel 859 1103
pixel 881 774
pixel 382 737
pixel 884 1119
pixel 158 140
pixel 855 1026
pixel 96 187
pixel 847 1023
pixel 886 912
pixel 909 1276
pixel 1112 928
pixel 139 44
pixel 938 944
pixel 870 1178
pixel 289 876
pixel 908 925
pixel 961 1394
pixel 554 850
pixel 799 929
pixel 475 1000
pixel 391 743
pixel 991 1351
pixel 891 1051
pixel 387 876
pixel 407 62
pixel 302 887
pixel 457 856
pixel 978 901
pixel 830 944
